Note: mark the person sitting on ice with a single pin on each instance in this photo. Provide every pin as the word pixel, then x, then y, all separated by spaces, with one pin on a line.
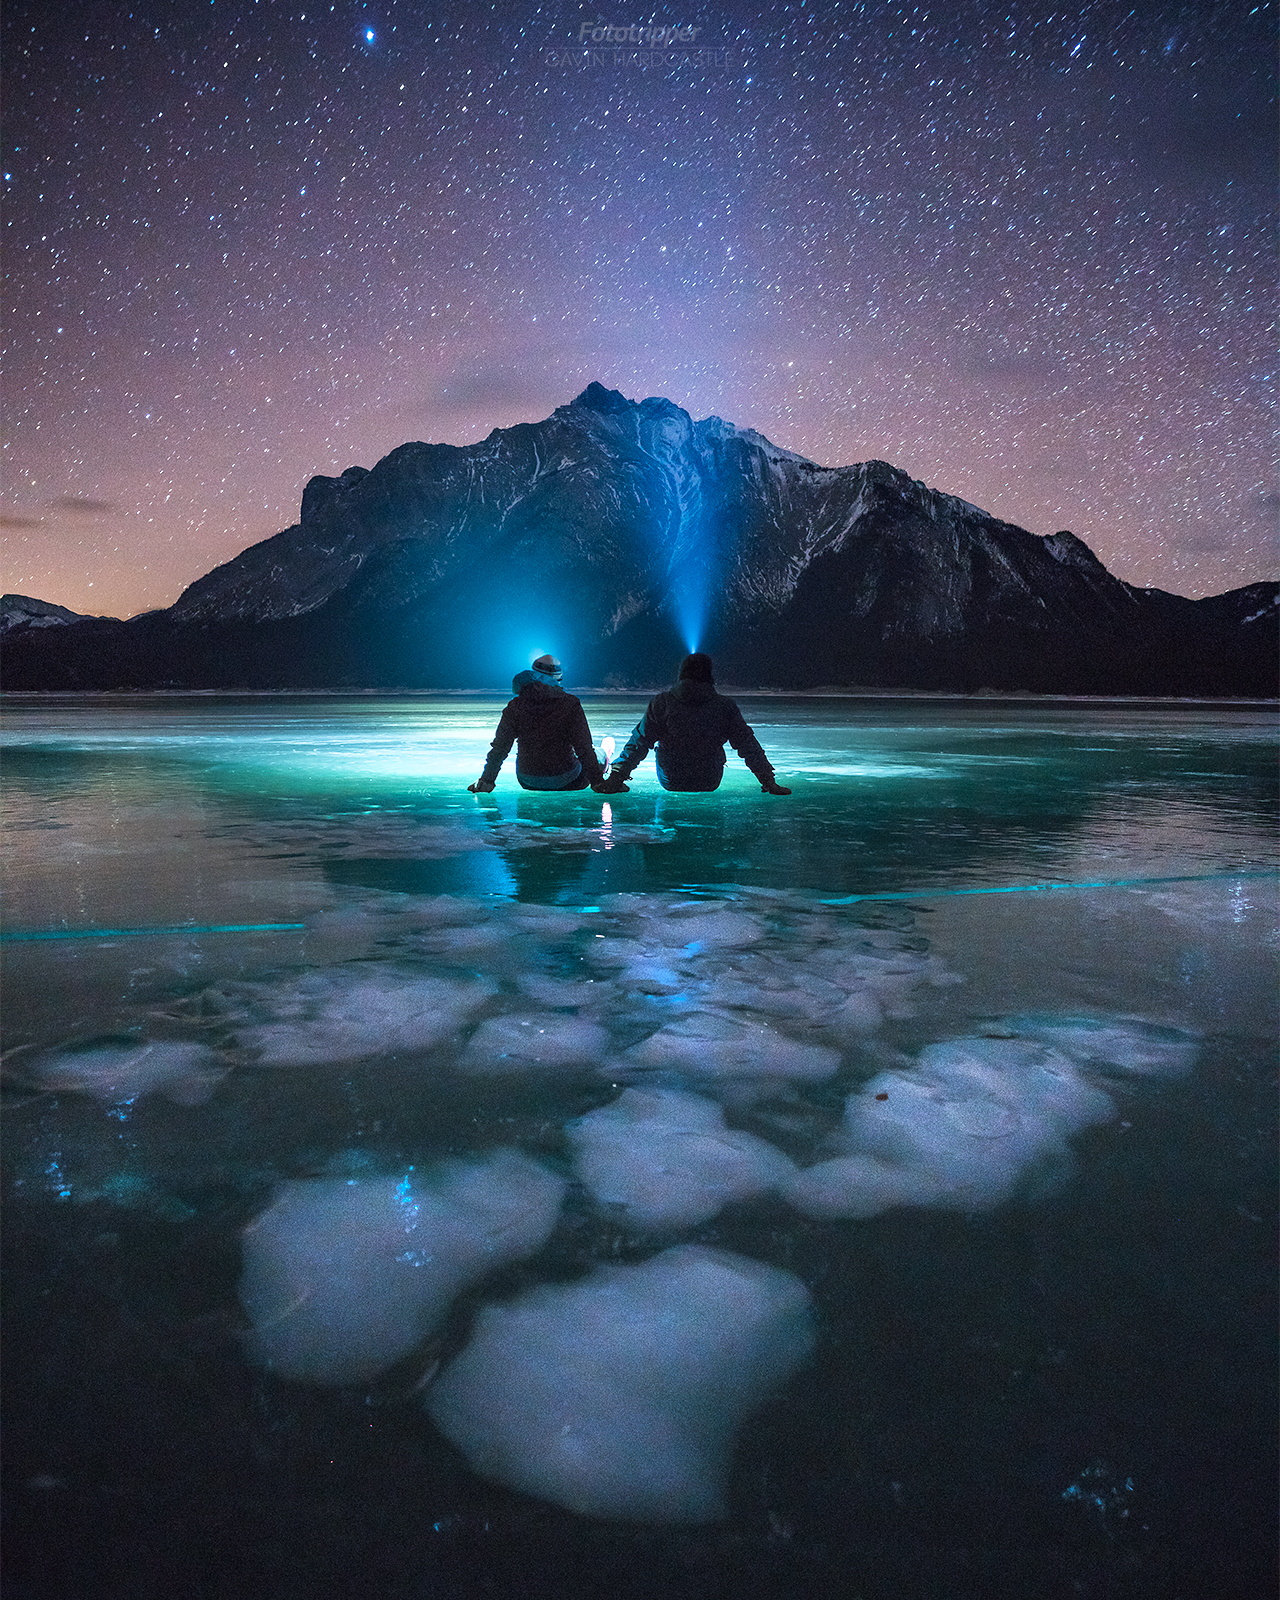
pixel 549 729
pixel 686 727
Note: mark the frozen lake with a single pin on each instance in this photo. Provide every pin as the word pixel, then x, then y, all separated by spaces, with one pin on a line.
pixel 418 1194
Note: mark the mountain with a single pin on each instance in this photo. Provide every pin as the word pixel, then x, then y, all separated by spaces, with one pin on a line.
pixel 21 611
pixel 618 534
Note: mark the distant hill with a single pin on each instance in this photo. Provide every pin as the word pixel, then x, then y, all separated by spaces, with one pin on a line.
pixel 21 611
pixel 614 531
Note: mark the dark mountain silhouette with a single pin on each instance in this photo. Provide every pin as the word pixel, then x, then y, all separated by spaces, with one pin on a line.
pixel 21 611
pixel 599 531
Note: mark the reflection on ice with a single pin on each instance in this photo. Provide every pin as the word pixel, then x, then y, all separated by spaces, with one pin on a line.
pixel 669 1159
pixel 620 1396
pixel 344 1276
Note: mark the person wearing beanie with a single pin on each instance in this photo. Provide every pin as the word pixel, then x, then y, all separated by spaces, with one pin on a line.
pixel 687 727
pixel 550 732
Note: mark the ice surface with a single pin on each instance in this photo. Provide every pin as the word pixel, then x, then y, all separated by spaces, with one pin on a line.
pixel 117 1073
pixel 669 1158
pixel 343 1276
pixel 976 1119
pixel 621 1395
pixel 351 1012
pixel 706 1044
pixel 537 1042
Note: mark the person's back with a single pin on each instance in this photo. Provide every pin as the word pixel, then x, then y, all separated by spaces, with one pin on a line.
pixel 554 749
pixel 546 720
pixel 687 726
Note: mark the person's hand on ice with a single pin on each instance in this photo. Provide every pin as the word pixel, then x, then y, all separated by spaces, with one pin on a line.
pixel 612 785
pixel 773 787
pixel 479 787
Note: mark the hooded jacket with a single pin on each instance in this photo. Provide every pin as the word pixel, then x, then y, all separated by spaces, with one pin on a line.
pixel 551 727
pixel 689 726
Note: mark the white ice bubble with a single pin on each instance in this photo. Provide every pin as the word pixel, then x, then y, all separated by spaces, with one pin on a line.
pixel 1128 1045
pixel 706 1044
pixel 609 953
pixel 540 1041
pixel 860 1186
pixel 651 977
pixel 117 1073
pixel 621 1395
pixel 556 992
pixel 349 1013
pixel 859 1015
pixel 712 929
pixel 669 1158
pixel 546 921
pixel 974 1121
pixel 342 1276
pixel 777 989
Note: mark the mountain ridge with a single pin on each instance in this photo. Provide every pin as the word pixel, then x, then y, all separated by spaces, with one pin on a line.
pixel 620 531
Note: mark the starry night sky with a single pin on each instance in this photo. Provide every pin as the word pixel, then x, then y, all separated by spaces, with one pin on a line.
pixel 1024 254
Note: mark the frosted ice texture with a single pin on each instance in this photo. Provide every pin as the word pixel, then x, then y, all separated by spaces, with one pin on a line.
pixel 342 1276
pixel 621 1395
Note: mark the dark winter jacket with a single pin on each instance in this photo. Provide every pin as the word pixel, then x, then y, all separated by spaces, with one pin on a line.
pixel 552 729
pixel 689 725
